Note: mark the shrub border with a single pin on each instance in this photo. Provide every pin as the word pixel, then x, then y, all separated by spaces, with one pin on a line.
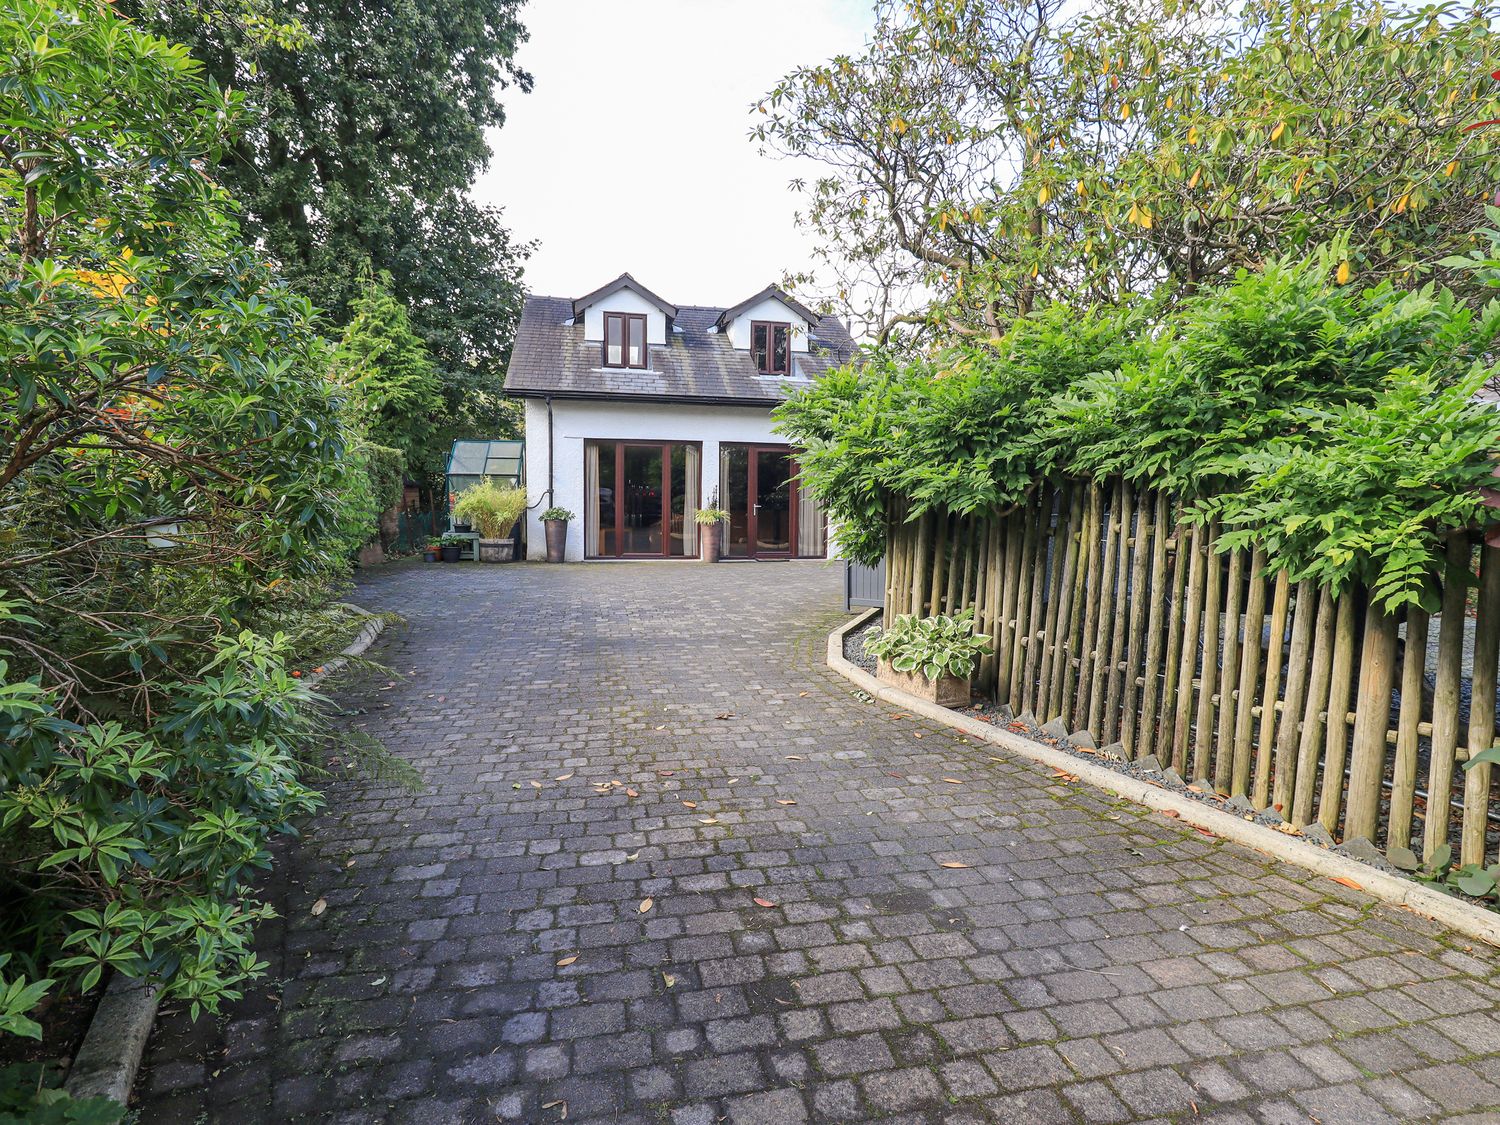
pixel 1472 921
pixel 110 1056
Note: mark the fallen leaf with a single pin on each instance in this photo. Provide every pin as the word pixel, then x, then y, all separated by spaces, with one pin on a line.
pixel 566 961
pixel 916 734
pixel 726 715
pixel 348 863
pixel 953 863
pixel 731 781
pixel 952 781
pixel 563 1116
pixel 888 773
pixel 319 906
pixel 633 856
pixel 664 773
pixel 690 804
pixel 1171 814
pixel 631 793
pixel 646 905
pixel 767 903
pixel 786 801
pixel 564 777
pixel 536 784
pixel 803 694
pixel 668 979
pixel 794 757
pixel 708 820
pixel 1346 882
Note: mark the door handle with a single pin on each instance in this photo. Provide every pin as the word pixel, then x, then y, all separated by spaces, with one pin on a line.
pixel 755 507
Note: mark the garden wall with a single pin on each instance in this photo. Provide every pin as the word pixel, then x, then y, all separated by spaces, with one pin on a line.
pixel 1110 613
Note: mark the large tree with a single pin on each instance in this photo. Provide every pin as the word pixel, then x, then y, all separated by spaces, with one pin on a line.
pixel 368 134
pixel 984 155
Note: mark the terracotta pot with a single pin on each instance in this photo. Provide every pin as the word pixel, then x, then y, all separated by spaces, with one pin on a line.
pixel 945 691
pixel 710 541
pixel 557 540
pixel 450 554
pixel 496 550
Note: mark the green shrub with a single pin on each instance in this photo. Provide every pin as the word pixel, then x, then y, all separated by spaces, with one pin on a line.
pixel 491 509
pixel 557 513
pixel 934 646
pixel 1331 423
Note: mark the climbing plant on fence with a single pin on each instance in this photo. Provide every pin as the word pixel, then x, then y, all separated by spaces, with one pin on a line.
pixel 1202 538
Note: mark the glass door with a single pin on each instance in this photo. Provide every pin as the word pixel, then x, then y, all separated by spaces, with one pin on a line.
pixel 771 508
pixel 641 499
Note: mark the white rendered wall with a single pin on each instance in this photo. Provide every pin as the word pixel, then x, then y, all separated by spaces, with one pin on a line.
pixel 574 422
pixel 769 309
pixel 625 301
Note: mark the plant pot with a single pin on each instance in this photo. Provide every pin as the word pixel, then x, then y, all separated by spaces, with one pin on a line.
pixel 450 554
pixel 710 541
pixel 945 691
pixel 432 554
pixel 557 540
pixel 496 550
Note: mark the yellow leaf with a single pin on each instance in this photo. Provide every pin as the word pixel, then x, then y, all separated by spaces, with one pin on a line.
pixel 1403 203
pixel 1276 132
pixel 645 905
pixel 566 961
pixel 1193 135
pixel 1193 182
pixel 1125 112
pixel 1452 167
pixel 1344 273
pixel 953 864
pixel 1043 195
pixel 1082 191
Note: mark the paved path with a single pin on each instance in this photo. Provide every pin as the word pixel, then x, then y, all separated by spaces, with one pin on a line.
pixel 484 953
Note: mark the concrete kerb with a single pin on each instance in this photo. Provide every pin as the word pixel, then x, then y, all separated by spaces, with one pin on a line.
pixel 110 1055
pixel 1459 916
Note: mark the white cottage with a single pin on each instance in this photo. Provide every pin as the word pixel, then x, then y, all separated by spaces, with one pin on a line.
pixel 638 413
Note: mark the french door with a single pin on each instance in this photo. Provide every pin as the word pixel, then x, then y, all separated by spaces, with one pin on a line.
pixel 769 517
pixel 641 498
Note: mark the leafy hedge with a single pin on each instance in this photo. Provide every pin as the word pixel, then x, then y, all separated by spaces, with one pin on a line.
pixel 1332 423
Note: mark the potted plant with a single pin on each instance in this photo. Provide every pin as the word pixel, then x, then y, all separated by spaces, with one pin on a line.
pixel 451 546
pixel 493 511
pixel 555 521
pixel 932 657
pixel 711 532
pixel 433 551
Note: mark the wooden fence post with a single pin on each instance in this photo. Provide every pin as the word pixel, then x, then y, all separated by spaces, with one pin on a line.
pixel 1250 675
pixel 1445 695
pixel 1482 708
pixel 1404 781
pixel 1377 670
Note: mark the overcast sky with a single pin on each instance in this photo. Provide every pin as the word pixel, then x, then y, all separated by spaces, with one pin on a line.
pixel 632 154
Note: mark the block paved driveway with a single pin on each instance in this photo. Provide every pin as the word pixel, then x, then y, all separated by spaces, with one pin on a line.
pixel 484 955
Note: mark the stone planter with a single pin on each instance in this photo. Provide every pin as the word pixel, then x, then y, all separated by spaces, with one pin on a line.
pixel 946 691
pixel 496 550
pixel 710 541
pixel 557 540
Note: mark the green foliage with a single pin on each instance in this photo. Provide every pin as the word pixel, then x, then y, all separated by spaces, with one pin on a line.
pixel 492 510
pixel 17 997
pixel 557 513
pixel 935 646
pixel 980 157
pixel 1333 424
pixel 27 1097
pixel 369 132
pixel 397 393
pixel 708 516
pixel 175 475
pixel 1469 880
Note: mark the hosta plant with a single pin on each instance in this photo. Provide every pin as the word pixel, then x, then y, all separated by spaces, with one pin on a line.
pixel 934 646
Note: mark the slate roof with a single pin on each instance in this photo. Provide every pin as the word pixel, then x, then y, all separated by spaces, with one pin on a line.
pixel 696 365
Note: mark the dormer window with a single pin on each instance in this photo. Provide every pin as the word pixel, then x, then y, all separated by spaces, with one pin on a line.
pixel 624 339
pixel 770 346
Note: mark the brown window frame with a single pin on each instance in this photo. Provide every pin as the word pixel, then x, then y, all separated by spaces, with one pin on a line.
pixel 625 319
pixel 591 533
pixel 770 326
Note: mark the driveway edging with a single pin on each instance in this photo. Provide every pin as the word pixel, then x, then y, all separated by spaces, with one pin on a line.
pixel 1456 915
pixel 110 1055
